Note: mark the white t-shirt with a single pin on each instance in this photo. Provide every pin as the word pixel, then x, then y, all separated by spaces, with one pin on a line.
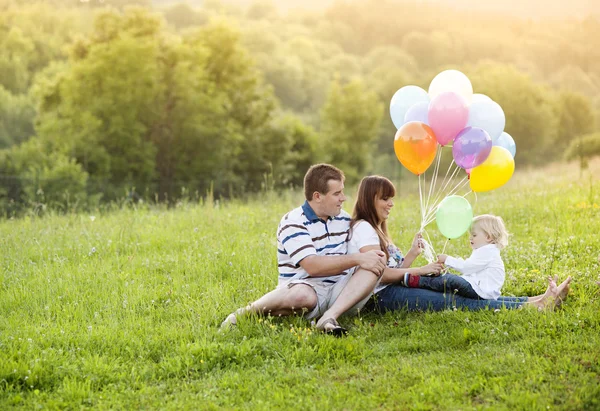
pixel 484 270
pixel 363 235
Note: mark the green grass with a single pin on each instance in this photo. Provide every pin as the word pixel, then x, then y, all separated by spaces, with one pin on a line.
pixel 120 311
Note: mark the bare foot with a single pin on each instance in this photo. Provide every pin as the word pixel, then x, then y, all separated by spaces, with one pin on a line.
pixel 550 291
pixel 229 322
pixel 563 289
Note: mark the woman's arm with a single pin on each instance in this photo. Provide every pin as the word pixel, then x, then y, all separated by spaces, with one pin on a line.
pixel 393 275
pixel 415 250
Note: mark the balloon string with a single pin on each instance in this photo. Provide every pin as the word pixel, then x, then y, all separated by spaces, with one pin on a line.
pixel 433 180
pixel 430 216
pixel 428 250
pixel 421 202
pixel 444 249
pixel 440 196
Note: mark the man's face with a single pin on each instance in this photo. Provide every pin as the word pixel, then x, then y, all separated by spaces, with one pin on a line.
pixel 330 204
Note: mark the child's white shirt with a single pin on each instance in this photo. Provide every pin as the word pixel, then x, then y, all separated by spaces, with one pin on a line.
pixel 484 270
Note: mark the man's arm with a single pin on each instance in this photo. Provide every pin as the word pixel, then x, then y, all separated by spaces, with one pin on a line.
pixel 326 265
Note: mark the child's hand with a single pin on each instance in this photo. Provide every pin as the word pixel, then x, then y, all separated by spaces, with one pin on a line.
pixel 442 258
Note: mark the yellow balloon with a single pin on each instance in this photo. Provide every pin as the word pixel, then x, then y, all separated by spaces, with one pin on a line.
pixel 494 172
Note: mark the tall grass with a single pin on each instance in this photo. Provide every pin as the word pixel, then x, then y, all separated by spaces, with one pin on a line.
pixel 120 310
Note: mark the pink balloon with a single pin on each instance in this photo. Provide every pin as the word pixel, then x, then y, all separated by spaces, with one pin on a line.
pixel 448 115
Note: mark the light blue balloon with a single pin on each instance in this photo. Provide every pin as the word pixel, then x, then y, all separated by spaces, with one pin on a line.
pixel 489 116
pixel 418 112
pixel 404 99
pixel 506 141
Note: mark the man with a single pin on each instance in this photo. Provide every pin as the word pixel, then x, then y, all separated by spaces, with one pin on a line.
pixel 316 276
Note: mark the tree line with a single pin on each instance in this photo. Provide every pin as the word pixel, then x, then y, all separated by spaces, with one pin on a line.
pixel 101 100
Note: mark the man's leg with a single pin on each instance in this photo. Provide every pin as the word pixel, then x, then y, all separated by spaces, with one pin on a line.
pixel 358 288
pixel 449 283
pixel 295 299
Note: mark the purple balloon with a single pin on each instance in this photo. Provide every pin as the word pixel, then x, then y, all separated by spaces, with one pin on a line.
pixel 471 147
pixel 418 112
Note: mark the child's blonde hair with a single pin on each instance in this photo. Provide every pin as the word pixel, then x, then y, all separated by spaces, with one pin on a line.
pixel 493 227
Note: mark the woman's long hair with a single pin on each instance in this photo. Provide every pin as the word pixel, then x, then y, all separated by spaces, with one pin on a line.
pixel 370 189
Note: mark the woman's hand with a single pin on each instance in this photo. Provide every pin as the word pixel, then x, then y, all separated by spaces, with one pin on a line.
pixel 433 268
pixel 417 245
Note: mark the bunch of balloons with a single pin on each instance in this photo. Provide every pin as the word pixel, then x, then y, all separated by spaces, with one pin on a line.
pixel 449 114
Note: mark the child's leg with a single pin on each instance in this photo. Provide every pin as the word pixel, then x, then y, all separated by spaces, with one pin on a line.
pixel 448 283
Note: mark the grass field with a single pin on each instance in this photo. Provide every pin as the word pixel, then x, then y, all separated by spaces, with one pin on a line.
pixel 120 310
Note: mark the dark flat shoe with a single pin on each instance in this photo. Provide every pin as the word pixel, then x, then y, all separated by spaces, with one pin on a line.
pixel 336 330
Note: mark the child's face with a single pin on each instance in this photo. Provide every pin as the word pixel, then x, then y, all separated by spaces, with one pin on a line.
pixel 478 238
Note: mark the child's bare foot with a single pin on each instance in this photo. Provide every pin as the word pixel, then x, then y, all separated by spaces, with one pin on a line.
pixel 550 291
pixel 563 289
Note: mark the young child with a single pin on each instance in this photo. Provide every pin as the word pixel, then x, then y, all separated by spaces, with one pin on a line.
pixel 482 273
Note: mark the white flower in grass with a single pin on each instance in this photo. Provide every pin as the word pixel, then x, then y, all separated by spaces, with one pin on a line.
pixel 89 328
pixel 92 217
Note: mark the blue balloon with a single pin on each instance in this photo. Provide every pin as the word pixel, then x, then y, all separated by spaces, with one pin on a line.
pixel 404 99
pixel 506 141
pixel 489 116
pixel 418 112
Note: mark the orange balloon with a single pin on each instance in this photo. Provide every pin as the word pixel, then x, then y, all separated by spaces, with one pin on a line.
pixel 415 145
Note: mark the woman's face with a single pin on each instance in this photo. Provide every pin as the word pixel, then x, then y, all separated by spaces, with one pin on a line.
pixel 383 207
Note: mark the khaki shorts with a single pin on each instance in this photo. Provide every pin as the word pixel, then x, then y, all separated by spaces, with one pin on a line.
pixel 327 293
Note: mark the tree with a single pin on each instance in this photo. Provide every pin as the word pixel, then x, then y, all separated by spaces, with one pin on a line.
pixel 262 10
pixel 349 125
pixel 182 16
pixel 16 118
pixel 139 107
pixel 575 119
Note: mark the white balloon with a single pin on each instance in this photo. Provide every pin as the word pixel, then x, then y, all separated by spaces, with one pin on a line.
pixel 451 80
pixel 480 97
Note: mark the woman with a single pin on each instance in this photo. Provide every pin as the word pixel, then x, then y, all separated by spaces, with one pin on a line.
pixel 369 232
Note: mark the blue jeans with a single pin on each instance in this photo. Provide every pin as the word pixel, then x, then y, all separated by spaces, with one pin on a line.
pixel 396 297
pixel 448 283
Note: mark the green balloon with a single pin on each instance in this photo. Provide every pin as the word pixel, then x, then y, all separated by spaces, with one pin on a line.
pixel 454 216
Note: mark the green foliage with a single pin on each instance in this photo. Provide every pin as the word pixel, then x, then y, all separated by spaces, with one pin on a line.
pixel 138 107
pixel 584 148
pixel 16 118
pixel 576 118
pixel 193 100
pixel 36 177
pixel 349 125
pixel 182 16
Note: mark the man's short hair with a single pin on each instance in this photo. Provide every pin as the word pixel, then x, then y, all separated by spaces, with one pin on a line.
pixel 317 178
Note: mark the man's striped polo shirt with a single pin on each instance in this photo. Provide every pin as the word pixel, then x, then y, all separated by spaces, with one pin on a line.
pixel 301 234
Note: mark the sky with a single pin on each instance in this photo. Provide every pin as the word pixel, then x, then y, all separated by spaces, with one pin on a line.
pixel 521 8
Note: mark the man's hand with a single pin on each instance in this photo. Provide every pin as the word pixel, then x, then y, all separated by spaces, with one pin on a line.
pixel 373 261
pixel 433 268
pixel 442 258
pixel 417 245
